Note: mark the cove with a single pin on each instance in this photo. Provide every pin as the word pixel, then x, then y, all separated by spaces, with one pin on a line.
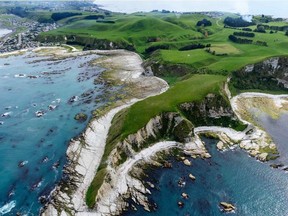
pixel 231 176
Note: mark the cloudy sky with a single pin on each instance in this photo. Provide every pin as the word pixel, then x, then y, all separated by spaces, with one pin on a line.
pixel 271 7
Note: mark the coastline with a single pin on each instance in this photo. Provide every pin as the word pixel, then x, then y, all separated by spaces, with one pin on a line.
pixel 85 158
pixel 85 155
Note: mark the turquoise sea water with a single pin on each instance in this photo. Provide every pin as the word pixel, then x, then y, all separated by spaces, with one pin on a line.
pixel 32 149
pixel 231 176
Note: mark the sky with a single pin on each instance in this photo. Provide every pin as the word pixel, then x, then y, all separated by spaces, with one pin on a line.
pixel 277 8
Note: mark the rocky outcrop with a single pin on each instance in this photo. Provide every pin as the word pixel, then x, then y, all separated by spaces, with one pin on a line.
pixel 125 181
pixel 271 74
pixel 227 207
pixel 213 110
pixel 168 126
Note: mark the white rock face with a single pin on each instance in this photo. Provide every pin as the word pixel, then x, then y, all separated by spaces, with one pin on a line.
pixel 88 153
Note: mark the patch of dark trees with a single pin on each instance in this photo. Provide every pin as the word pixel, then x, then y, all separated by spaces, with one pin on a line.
pixel 213 52
pixel 204 23
pixel 240 40
pixel 18 11
pixel 106 21
pixel 237 22
pixel 94 17
pixel 194 46
pixel 264 27
pixel 244 34
pixel 63 15
pixel 157 47
pixel 247 29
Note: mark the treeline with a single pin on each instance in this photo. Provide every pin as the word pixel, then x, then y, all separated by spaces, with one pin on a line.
pixel 63 15
pixel 237 22
pixel 273 28
pixel 156 47
pixel 106 21
pixel 94 17
pixel 18 11
pixel 194 46
pixel 240 40
pixel 235 39
pixel 247 29
pixel 204 22
pixel 244 34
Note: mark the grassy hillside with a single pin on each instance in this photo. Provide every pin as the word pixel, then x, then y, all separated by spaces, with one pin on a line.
pixel 169 32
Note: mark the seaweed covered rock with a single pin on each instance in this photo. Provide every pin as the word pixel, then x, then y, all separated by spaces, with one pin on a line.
pixel 81 117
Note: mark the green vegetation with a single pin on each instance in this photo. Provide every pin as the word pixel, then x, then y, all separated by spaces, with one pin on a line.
pixel 159 36
pixel 193 89
pixel 94 187
pixel 194 72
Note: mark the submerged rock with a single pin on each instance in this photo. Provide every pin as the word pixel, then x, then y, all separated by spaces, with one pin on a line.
pixel 81 117
pixel 22 163
pixel 39 113
pixel 276 166
pixel 167 165
pixel 192 177
pixel 7 114
pixel 52 107
pixel 185 196
pixel 73 99
pixel 180 204
pixel 227 207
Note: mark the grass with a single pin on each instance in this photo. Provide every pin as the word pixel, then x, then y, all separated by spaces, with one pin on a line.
pixel 94 187
pixel 225 48
pixel 131 120
pixel 192 89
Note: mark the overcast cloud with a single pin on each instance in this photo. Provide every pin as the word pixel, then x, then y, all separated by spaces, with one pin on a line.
pixel 269 7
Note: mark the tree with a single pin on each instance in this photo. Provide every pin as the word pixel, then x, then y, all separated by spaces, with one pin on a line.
pixel 204 23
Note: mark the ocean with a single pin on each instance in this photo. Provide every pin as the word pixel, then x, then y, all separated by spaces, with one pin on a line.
pixel 32 149
pixel 231 176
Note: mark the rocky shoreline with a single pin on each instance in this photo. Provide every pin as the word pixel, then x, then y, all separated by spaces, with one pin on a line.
pixel 85 154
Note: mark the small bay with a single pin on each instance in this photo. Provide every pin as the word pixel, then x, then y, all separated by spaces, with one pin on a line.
pixel 231 176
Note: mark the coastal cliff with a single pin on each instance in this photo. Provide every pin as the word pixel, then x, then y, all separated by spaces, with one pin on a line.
pixel 116 162
pixel 271 74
